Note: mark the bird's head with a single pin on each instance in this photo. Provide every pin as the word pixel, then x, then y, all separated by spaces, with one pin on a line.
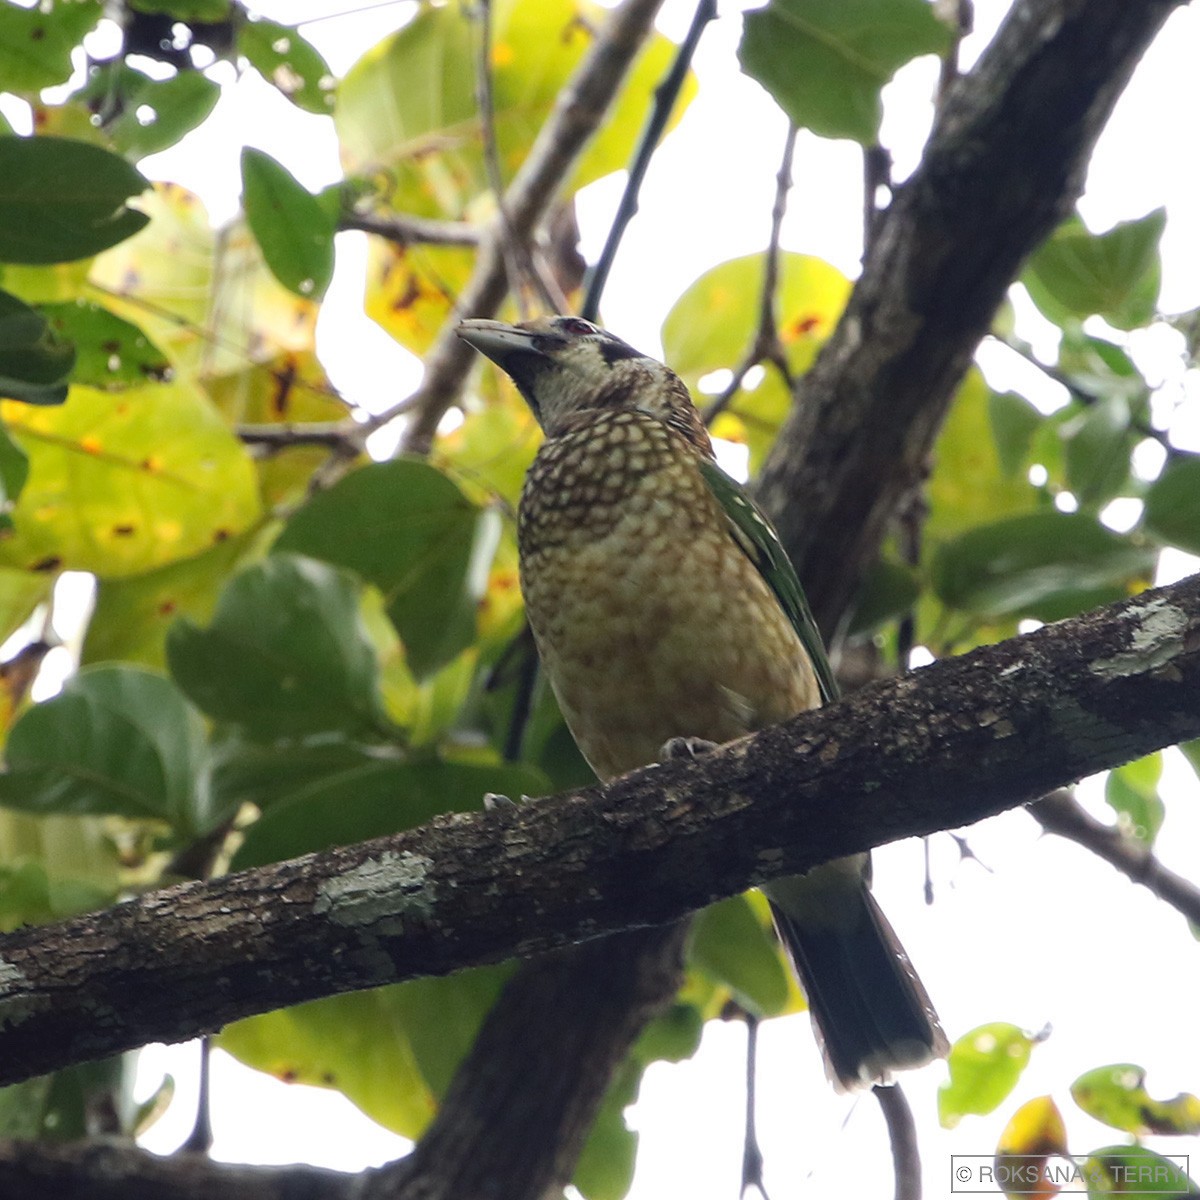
pixel 566 365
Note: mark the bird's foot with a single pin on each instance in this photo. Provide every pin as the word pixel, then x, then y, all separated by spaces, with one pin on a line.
pixel 492 801
pixel 677 748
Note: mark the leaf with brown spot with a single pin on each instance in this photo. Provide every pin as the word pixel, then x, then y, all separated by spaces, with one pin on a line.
pixel 87 478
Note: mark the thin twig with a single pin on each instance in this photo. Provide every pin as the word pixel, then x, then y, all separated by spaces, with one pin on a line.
pixel 577 113
pixel 1084 395
pixel 200 1139
pixel 665 96
pixel 877 173
pixel 285 376
pixel 516 255
pixel 902 1133
pixel 338 435
pixel 960 16
pixel 752 1158
pixel 766 345
pixel 406 230
pixel 1061 813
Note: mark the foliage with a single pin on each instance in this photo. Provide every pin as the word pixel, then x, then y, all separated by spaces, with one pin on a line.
pixel 306 648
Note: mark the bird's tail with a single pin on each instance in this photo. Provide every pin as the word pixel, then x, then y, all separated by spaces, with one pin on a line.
pixel 870 1011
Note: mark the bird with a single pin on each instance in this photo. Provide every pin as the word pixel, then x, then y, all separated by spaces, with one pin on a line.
pixel 665 609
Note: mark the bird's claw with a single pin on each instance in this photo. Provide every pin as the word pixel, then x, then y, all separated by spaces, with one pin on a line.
pixel 497 800
pixel 677 748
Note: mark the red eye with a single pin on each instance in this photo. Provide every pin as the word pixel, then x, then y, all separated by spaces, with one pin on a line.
pixel 575 325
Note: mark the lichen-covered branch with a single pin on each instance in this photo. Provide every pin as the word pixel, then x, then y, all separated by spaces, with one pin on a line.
pixel 1003 165
pixel 952 743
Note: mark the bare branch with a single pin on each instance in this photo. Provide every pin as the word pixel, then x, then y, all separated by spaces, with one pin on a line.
pixel 406 230
pixel 902 1133
pixel 518 1114
pixel 957 741
pixel 1062 814
pixel 665 96
pixel 115 1169
pixel 766 344
pixel 518 261
pixel 1004 163
pixel 336 435
pixel 577 114
pixel 752 1157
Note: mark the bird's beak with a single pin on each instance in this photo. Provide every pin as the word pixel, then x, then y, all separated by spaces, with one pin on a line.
pixel 497 340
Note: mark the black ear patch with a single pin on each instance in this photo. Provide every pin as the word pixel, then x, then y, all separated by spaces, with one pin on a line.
pixel 613 350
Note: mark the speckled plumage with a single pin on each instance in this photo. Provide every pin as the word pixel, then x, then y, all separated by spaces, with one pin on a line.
pixel 652 623
pixel 663 607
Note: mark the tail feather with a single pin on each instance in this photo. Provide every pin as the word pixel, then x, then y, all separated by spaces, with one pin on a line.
pixel 870 1011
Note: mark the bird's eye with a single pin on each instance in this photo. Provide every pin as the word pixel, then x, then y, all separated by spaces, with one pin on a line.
pixel 575 325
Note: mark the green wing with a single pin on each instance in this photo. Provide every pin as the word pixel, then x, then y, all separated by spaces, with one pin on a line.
pixel 758 539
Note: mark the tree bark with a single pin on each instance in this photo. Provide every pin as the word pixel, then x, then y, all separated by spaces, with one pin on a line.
pixel 522 1103
pixel 1004 164
pixel 115 1169
pixel 957 741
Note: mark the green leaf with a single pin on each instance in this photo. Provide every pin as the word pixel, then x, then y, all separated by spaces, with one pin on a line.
pixel 35 361
pixel 1117 1096
pixel 290 63
pixel 1096 449
pixel 1013 421
pixel 604 1170
pixel 158 112
pixel 408 106
pixel 1116 274
pixel 62 1106
pixel 14 471
pixel 290 224
pixel 131 616
pixel 714 323
pixel 1135 1173
pixel 207 11
pixel 110 352
pixel 392 1051
pixel 61 200
pixel 144 115
pixel 730 944
pixel 1191 751
pixel 888 592
pixel 712 327
pixel 54 867
pixel 20 593
pixel 116 739
pixel 1045 565
pixel 985 1065
pixel 826 61
pixel 372 798
pixel 1132 792
pixel 406 528
pixel 36 44
pixel 286 652
pixel 119 485
pixel 970 485
pixel 1173 503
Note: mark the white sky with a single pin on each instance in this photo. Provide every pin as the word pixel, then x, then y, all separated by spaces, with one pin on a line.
pixel 1050 935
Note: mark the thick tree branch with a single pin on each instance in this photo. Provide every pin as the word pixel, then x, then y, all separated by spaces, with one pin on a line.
pixel 1062 814
pixel 1004 163
pixel 497 1138
pixel 957 741
pixel 116 1169
pixel 577 114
